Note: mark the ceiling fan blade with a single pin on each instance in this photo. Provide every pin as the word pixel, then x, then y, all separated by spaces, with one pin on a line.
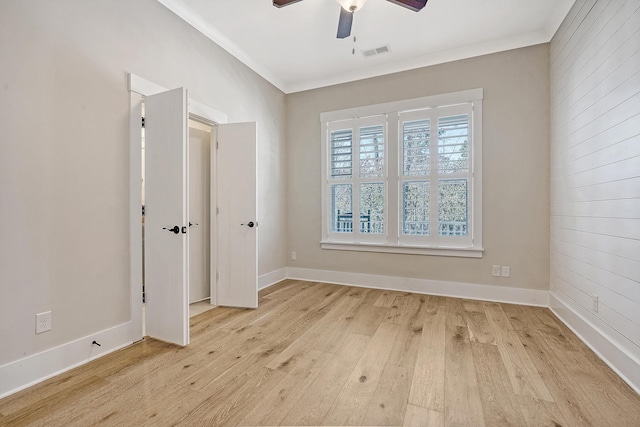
pixel 344 24
pixel 415 5
pixel 282 3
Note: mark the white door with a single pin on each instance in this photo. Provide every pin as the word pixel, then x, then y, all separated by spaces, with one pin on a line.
pixel 166 216
pixel 237 234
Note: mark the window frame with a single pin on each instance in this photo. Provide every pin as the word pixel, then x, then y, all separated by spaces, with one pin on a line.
pixel 395 114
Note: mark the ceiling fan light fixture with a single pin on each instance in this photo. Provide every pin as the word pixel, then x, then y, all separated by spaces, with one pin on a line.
pixel 351 5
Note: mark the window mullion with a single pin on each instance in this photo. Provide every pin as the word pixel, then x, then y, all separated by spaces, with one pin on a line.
pixel 433 178
pixel 356 180
pixel 392 178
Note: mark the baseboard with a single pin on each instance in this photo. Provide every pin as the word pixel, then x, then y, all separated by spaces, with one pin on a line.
pixel 272 278
pixel 23 373
pixel 624 364
pixel 424 286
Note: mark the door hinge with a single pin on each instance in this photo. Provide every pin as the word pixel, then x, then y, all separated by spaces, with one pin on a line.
pixel 143 122
pixel 217 210
pixel 217 275
pixel 217 144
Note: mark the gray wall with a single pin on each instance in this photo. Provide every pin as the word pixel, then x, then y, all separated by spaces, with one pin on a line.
pixel 595 182
pixel 64 161
pixel 515 164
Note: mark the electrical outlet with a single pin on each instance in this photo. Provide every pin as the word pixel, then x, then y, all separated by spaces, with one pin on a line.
pixel 495 271
pixel 43 322
pixel 506 271
pixel 294 256
pixel 595 303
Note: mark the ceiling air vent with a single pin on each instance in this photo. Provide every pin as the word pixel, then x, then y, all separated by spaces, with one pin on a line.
pixel 376 51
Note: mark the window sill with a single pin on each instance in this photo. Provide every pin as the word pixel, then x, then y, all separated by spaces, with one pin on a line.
pixel 404 249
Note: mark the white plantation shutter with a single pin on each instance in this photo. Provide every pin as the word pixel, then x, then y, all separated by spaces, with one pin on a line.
pixel 356 179
pixel 342 153
pixel 435 181
pixel 453 176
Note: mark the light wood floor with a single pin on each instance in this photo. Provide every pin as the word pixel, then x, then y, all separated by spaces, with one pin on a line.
pixel 320 354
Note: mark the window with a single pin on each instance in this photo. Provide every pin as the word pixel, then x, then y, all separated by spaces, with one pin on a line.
pixel 411 173
pixel 357 178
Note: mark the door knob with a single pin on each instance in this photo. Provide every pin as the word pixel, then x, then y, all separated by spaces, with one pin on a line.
pixel 251 224
pixel 174 230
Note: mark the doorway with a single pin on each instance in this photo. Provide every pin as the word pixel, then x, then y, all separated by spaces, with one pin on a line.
pixel 201 252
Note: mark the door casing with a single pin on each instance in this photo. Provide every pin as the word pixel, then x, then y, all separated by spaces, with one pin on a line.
pixel 138 88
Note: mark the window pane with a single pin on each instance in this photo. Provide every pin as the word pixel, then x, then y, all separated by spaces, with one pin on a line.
pixel 415 208
pixel 372 208
pixel 415 148
pixel 452 207
pixel 341 208
pixel 341 153
pixel 371 151
pixel 453 144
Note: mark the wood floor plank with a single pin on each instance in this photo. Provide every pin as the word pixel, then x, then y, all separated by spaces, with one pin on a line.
pixel 297 360
pixel 538 413
pixel 553 329
pixel 229 404
pixel 407 342
pixel 427 385
pixel 278 287
pixel 519 317
pixel 477 323
pixel 365 317
pixel 472 306
pixel 279 401
pixel 353 400
pixel 389 403
pixel 288 288
pixel 311 407
pixel 455 312
pixel 461 391
pixel 386 299
pixel 321 336
pixel 592 380
pixel 499 402
pixel 357 316
pixel 522 373
pixel 63 398
pixel 398 309
pixel 576 408
pixel 417 416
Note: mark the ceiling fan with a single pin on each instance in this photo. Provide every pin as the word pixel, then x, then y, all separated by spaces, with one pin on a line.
pixel 348 7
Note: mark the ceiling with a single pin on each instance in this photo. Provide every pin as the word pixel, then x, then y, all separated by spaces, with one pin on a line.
pixel 295 47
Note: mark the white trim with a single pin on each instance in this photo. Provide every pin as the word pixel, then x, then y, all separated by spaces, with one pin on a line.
pixel 415 62
pixel 210 31
pixel 474 291
pixel 622 363
pixel 199 110
pixel 214 34
pixel 396 249
pixel 135 215
pixel 270 279
pixel 425 102
pixel 23 373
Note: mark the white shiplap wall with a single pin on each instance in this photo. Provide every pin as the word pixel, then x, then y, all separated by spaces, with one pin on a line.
pixel 595 178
